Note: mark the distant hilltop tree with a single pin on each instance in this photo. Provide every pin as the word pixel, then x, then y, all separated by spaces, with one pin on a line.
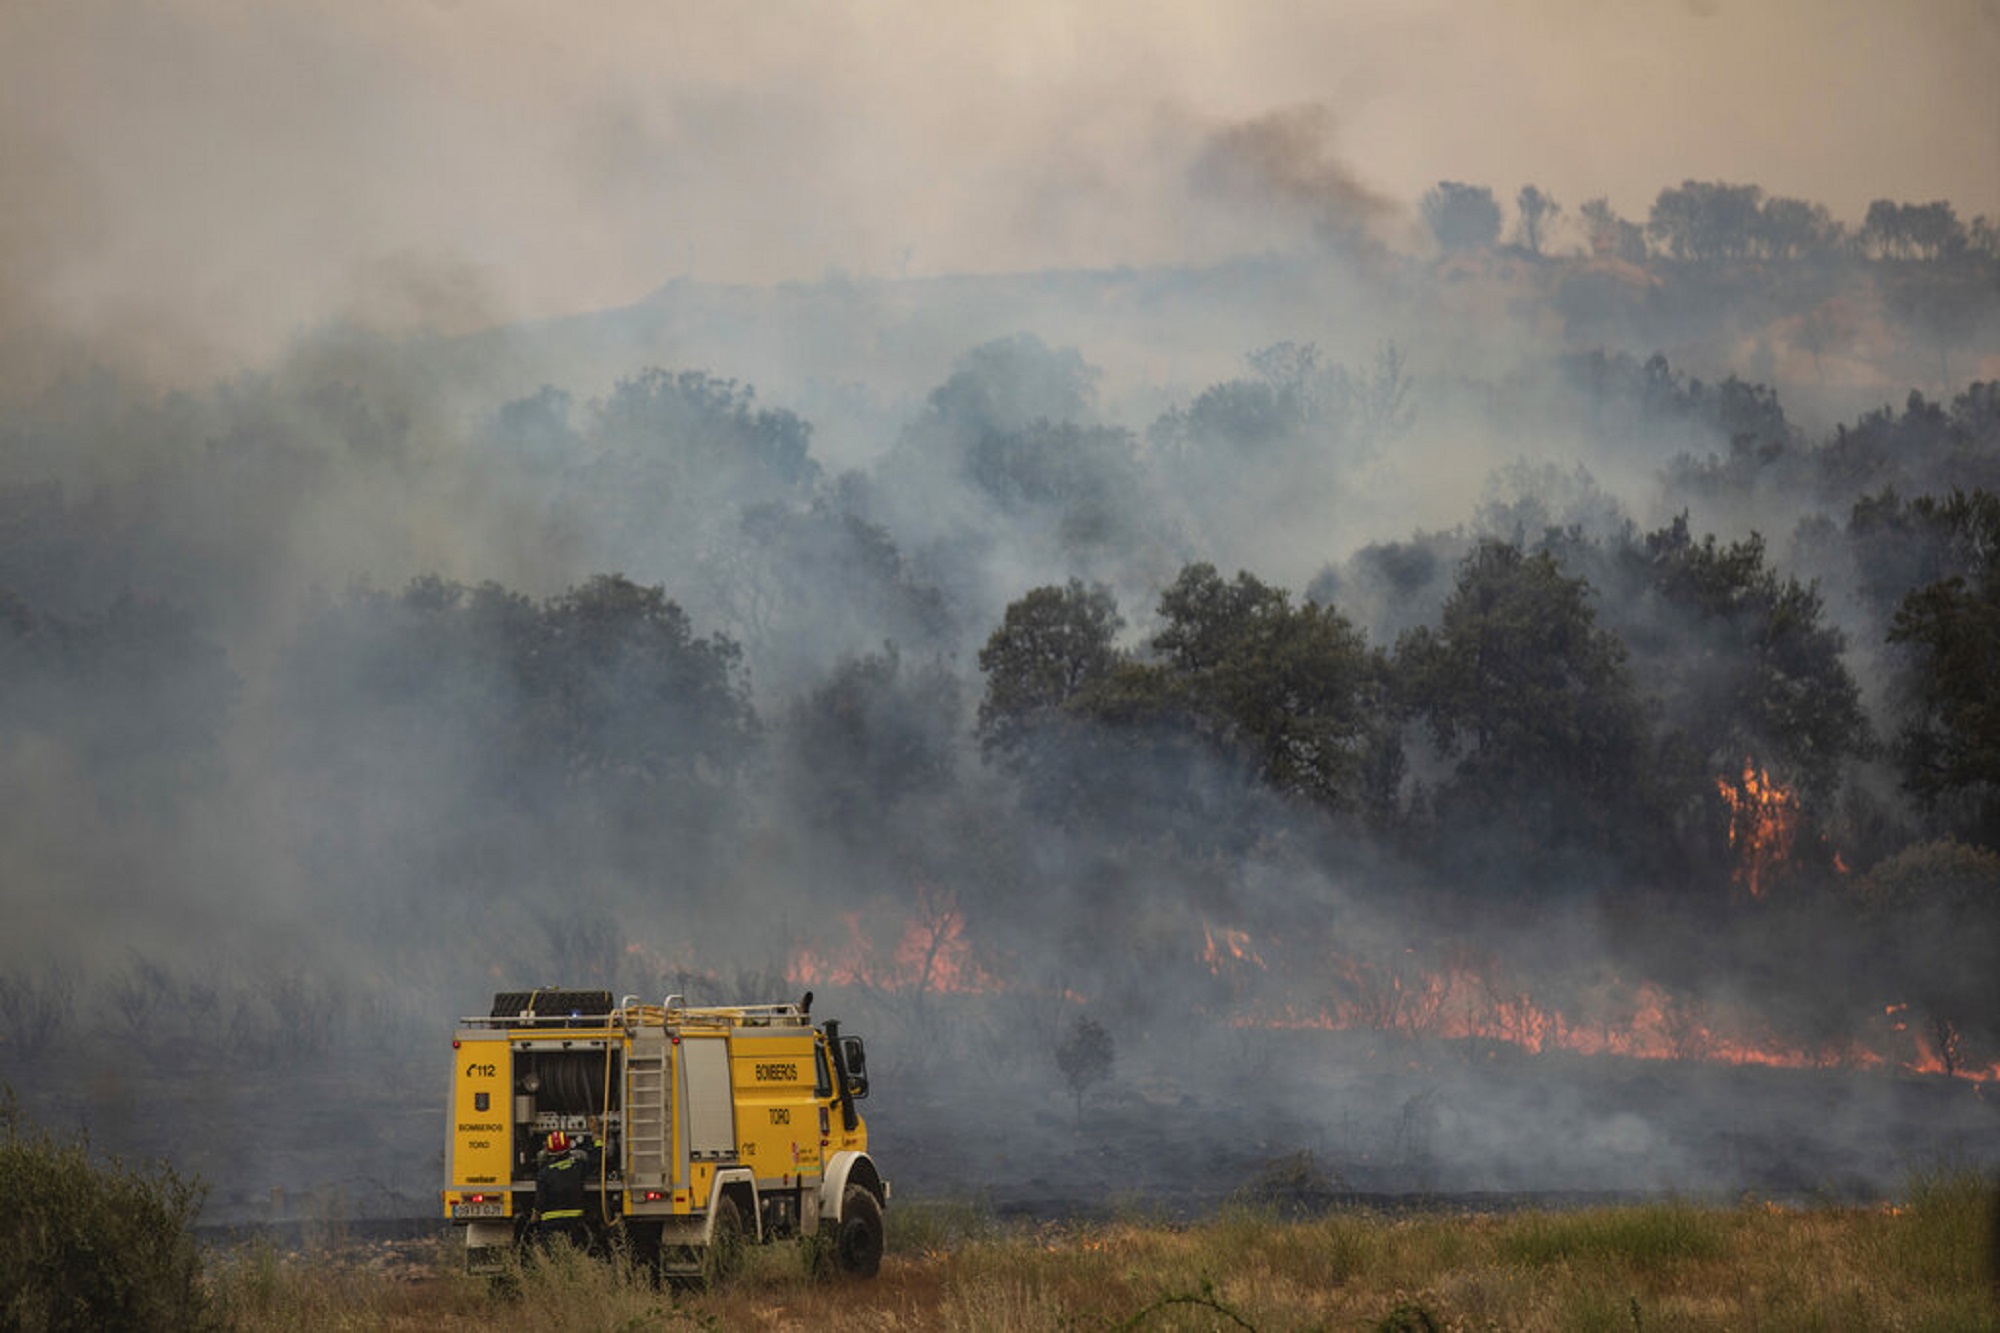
pixel 1462 217
pixel 1536 212
pixel 1611 236
pixel 1706 220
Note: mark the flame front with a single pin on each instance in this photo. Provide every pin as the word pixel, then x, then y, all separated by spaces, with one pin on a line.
pixel 1464 999
pixel 1462 996
pixel 931 954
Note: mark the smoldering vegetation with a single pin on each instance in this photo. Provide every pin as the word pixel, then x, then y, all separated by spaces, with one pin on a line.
pixel 1449 719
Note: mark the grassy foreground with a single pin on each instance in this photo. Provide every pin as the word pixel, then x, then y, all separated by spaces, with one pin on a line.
pixel 1923 1264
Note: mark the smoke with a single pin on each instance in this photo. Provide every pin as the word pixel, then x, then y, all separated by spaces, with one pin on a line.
pixel 1287 159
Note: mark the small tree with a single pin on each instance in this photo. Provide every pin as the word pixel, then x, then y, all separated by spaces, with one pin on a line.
pixel 1085 1058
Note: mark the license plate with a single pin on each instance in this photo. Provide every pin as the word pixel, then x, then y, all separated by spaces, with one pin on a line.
pixel 459 1210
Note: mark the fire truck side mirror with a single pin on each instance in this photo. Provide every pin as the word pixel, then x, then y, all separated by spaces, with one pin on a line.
pixel 855 1061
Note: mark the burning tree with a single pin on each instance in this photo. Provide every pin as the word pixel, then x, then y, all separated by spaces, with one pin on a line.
pixel 1740 658
pixel 1763 822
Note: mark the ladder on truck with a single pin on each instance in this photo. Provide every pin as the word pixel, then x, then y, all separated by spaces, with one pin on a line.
pixel 646 1110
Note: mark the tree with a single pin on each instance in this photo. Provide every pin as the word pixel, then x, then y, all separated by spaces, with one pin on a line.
pixel 712 428
pixel 1796 229
pixel 536 429
pixel 1268 451
pixel 1462 217
pixel 1611 236
pixel 36 1012
pixel 1052 645
pixel 672 460
pixel 602 694
pixel 1933 229
pixel 1949 748
pixel 875 733
pixel 1085 1057
pixel 1882 230
pixel 1009 454
pixel 1293 399
pixel 624 691
pixel 1537 212
pixel 1516 651
pixel 1084 478
pixel 1912 231
pixel 1545 503
pixel 1293 689
pixel 1707 220
pixel 1984 237
pixel 1009 384
pixel 814 582
pixel 1245 413
pixel 1531 703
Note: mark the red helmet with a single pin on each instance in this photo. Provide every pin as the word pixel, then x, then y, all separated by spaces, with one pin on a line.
pixel 558 1141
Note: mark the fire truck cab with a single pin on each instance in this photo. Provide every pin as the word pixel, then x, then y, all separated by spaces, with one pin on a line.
pixel 715 1127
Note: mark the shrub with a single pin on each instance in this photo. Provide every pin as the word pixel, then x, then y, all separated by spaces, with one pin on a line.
pixel 92 1244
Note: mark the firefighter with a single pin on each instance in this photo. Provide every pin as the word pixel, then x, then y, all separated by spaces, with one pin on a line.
pixel 561 1171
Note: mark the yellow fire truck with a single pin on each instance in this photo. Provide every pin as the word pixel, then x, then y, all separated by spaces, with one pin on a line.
pixel 717 1127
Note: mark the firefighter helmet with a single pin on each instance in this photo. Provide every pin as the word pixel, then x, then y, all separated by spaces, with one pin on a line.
pixel 558 1141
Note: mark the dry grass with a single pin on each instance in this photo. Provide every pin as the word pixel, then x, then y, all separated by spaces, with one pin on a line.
pixel 1923 1264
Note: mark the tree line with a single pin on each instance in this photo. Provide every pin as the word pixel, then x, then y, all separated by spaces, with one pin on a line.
pixel 1572 706
pixel 1713 222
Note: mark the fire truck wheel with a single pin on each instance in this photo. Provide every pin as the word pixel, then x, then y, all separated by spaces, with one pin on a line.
pixel 725 1246
pixel 857 1242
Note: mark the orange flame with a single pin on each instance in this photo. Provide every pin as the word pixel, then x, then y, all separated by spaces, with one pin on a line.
pixel 1223 946
pixel 931 954
pixel 1763 819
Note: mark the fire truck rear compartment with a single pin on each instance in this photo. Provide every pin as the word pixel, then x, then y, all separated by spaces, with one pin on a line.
pixel 564 1089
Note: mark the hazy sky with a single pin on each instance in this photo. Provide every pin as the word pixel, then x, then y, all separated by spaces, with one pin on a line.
pixel 186 182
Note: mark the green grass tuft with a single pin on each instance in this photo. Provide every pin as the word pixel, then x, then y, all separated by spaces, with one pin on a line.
pixel 1648 1238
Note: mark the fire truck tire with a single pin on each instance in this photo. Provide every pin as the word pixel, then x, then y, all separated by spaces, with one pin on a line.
pixel 724 1259
pixel 857 1240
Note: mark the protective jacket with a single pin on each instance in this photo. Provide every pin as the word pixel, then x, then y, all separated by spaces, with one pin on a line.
pixel 560 1179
